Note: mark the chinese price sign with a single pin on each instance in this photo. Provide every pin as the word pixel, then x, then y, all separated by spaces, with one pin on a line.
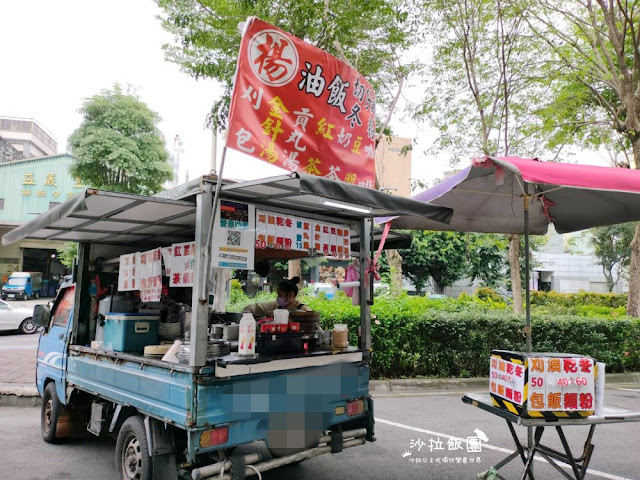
pixel 128 274
pixel 183 258
pixel 286 232
pixel 507 380
pixel 150 269
pixel 234 236
pixel 561 384
pixel 301 109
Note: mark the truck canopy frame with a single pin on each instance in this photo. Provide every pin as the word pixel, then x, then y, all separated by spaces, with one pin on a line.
pixel 104 217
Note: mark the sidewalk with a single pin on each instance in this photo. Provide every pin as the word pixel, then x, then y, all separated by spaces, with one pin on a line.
pixel 18 366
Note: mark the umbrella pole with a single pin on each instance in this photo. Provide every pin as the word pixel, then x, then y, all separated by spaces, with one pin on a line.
pixel 527 289
pixel 527 328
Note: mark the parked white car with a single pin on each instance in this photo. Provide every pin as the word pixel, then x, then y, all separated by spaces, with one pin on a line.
pixel 16 318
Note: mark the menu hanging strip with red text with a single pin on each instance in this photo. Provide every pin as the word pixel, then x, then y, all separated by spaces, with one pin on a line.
pixel 182 264
pixel 151 275
pixel 287 232
pixel 299 108
pixel 128 274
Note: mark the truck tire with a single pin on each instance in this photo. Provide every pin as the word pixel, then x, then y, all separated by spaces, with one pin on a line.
pixel 50 413
pixel 132 451
pixel 27 326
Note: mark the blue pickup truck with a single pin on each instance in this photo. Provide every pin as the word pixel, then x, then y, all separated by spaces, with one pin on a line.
pixel 22 285
pixel 185 420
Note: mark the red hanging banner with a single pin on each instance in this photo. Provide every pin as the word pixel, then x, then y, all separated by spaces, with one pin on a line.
pixel 297 107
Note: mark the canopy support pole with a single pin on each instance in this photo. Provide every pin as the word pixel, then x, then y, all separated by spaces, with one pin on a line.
pixel 527 329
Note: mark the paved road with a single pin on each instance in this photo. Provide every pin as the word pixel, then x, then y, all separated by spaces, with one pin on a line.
pixel 401 421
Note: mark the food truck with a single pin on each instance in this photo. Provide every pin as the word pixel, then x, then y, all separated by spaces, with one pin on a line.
pixel 101 362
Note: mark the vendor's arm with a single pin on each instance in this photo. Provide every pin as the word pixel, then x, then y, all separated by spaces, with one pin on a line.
pixel 300 306
pixel 262 309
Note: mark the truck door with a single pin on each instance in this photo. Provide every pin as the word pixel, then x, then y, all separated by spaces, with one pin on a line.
pixel 52 349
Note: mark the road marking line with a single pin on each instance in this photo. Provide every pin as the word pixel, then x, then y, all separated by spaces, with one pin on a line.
pixel 629 389
pixel 497 449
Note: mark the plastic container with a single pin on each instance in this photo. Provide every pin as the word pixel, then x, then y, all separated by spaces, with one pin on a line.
pixel 130 332
pixel 340 335
pixel 247 335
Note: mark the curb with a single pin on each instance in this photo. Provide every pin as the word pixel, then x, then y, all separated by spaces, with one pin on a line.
pixel 19 395
pixel 400 386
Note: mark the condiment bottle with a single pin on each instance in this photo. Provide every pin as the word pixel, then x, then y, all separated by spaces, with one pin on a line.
pixel 340 335
pixel 247 335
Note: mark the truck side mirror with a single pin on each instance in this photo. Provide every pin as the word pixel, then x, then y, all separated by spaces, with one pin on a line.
pixel 41 315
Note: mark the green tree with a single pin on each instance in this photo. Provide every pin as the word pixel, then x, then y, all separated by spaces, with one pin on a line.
pixel 67 253
pixel 487 258
pixel 118 145
pixel 446 257
pixel 611 246
pixel 597 56
pixel 369 34
pixel 484 86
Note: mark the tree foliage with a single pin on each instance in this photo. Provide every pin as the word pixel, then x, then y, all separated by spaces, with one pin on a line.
pixel 446 257
pixel 369 34
pixel 118 145
pixel 67 253
pixel 482 79
pixel 611 247
pixel 596 44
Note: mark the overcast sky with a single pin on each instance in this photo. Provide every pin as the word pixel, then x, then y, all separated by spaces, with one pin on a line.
pixel 56 53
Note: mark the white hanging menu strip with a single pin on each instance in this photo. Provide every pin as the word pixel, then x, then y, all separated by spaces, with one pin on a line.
pixel 128 273
pixel 182 264
pixel 234 236
pixel 150 275
pixel 166 258
pixel 287 232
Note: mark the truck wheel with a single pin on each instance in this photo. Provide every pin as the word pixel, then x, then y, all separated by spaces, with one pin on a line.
pixel 51 411
pixel 36 295
pixel 132 451
pixel 27 326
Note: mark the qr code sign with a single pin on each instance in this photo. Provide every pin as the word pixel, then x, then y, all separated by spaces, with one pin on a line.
pixel 234 238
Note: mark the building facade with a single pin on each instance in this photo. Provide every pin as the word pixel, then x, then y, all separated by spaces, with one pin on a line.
pixel 28 188
pixel 393 165
pixel 27 137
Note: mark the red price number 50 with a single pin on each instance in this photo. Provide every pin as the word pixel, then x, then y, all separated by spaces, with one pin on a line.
pixel 537 382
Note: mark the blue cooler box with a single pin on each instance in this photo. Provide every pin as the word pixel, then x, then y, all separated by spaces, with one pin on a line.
pixel 130 332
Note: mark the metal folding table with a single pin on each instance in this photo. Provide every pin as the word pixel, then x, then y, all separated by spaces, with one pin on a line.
pixel 579 465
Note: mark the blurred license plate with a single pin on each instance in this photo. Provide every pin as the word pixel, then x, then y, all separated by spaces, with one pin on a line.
pixel 11 295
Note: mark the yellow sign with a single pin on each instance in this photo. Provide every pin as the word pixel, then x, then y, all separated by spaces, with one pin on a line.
pixel 26 192
pixel 51 180
pixel 41 193
pixel 28 179
pixel 55 194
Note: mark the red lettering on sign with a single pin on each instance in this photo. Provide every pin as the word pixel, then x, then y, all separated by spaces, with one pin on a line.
pixel 570 401
pixel 570 365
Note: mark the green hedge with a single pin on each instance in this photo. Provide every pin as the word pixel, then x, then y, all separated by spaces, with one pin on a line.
pixel 613 300
pixel 415 336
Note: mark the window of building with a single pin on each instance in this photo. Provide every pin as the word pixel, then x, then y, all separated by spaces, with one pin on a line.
pixel 53 204
pixel 1 203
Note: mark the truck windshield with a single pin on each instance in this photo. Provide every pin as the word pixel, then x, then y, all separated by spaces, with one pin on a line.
pixel 19 281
